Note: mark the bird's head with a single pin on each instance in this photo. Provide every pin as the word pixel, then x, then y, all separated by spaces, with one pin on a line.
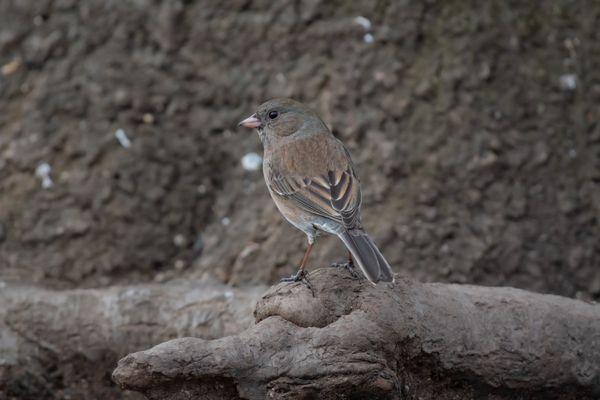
pixel 279 118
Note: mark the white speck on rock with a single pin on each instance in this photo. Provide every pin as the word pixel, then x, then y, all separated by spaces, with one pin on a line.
pixel 43 172
pixel 568 82
pixel 179 240
pixel 201 189
pixel 179 265
pixel 225 221
pixel 11 67
pixel 251 162
pixel 122 138
pixel 43 169
pixel 228 295
pixel 280 78
pixel 148 118
pixel 362 21
pixel 368 38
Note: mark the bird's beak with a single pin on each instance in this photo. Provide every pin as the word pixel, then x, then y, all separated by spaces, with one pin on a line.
pixel 250 122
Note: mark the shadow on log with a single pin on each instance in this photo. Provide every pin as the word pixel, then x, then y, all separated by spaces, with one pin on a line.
pixel 351 339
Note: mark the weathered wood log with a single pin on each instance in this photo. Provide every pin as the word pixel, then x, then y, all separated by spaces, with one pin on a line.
pixel 347 338
pixel 72 339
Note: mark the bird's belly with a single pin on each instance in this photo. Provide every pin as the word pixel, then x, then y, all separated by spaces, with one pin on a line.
pixel 294 215
pixel 306 222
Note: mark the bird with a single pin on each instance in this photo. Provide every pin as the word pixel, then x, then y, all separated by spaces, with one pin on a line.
pixel 312 180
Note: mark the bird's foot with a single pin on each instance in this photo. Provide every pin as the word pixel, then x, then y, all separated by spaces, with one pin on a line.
pixel 348 265
pixel 297 277
pixel 300 276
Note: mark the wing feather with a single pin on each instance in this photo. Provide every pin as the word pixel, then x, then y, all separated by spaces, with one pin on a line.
pixel 335 195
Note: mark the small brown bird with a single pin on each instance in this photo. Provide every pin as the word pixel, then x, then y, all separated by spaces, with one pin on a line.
pixel 312 180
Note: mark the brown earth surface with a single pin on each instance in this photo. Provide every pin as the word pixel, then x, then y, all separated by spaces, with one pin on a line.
pixel 479 160
pixel 474 127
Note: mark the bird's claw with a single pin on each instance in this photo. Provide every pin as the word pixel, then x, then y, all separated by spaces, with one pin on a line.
pixel 300 276
pixel 297 277
pixel 348 265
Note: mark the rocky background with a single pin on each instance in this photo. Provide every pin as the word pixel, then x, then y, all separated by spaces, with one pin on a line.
pixel 474 127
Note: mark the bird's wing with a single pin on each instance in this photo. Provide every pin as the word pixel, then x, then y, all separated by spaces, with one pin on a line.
pixel 335 195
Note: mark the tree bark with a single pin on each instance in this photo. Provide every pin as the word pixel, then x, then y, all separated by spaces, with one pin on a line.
pixel 347 338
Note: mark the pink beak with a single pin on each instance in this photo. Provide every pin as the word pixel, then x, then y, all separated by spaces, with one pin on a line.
pixel 251 122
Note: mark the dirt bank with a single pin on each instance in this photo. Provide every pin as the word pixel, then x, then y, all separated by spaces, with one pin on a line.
pixel 474 130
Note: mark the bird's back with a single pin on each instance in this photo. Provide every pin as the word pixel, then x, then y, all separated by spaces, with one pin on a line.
pixel 308 156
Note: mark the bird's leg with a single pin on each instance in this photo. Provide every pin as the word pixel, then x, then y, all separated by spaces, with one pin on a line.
pixel 301 274
pixel 350 266
pixel 347 265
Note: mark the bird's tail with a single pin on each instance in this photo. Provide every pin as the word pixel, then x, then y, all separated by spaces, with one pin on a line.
pixel 367 255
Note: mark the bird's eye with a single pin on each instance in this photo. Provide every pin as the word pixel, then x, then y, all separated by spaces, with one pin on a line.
pixel 273 114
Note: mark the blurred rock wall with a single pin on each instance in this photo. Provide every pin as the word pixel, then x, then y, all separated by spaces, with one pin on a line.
pixel 474 126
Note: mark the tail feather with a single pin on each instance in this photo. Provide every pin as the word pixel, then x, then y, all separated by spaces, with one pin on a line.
pixel 367 256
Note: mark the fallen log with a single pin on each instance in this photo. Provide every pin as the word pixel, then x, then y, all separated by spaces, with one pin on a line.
pixel 70 341
pixel 347 338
